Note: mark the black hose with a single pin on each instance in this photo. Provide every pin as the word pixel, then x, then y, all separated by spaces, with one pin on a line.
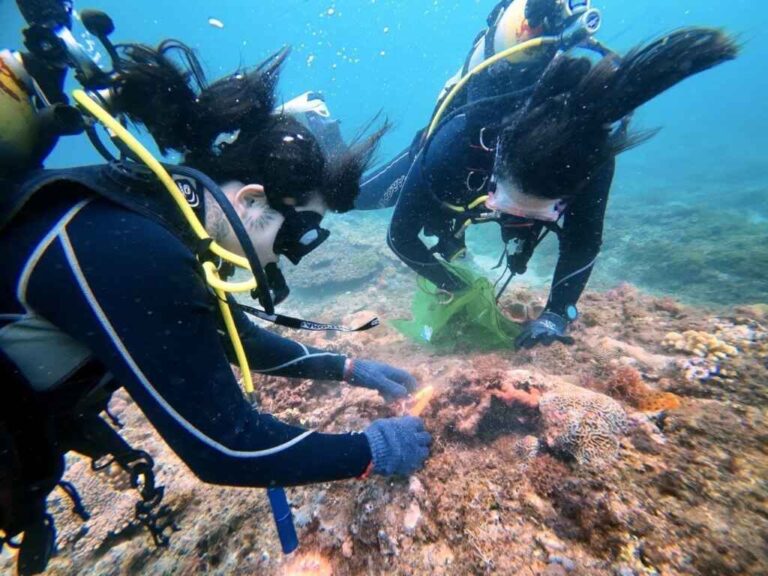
pixel 264 296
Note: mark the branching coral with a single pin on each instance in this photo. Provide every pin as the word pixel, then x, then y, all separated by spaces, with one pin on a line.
pixel 701 344
pixel 583 424
pixel 711 354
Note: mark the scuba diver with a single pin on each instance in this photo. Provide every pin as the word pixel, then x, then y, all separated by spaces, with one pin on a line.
pixel 117 276
pixel 526 135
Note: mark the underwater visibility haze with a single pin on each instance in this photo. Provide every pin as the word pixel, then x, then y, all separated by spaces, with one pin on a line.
pixel 634 443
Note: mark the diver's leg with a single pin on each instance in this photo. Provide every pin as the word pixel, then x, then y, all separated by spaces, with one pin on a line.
pixel 381 187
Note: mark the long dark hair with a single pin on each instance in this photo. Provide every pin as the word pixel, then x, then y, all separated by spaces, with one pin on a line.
pixel 228 130
pixel 563 135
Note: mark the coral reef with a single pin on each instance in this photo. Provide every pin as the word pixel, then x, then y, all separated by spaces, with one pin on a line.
pixel 701 344
pixel 627 384
pixel 583 424
pixel 710 354
pixel 547 475
pixel 487 402
pixel 723 359
pixel 110 502
pixel 687 496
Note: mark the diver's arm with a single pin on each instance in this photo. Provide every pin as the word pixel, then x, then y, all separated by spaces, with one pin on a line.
pixel 269 353
pixel 407 222
pixel 580 243
pixel 153 324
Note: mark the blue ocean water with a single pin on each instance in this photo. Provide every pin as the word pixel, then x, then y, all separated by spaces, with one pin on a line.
pixel 393 56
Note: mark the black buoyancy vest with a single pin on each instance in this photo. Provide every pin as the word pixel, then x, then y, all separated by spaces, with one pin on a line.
pixel 36 430
pixel 133 188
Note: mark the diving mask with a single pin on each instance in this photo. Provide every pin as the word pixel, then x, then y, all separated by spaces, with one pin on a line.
pixel 509 199
pixel 300 233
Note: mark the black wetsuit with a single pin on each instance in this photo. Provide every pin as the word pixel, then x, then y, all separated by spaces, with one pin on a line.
pixel 456 168
pixel 90 287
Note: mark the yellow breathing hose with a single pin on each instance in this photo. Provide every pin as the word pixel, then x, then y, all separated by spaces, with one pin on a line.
pixel 509 52
pixel 210 273
pixel 220 287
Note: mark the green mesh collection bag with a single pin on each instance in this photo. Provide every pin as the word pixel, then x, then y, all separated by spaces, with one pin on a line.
pixel 470 320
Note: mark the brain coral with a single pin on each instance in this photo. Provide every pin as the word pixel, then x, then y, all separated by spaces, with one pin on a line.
pixel 583 424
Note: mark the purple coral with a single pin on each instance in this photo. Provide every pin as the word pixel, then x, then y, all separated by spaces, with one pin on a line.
pixel 583 424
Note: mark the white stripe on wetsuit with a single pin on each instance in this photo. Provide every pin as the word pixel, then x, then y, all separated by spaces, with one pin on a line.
pixel 102 317
pixel 40 249
pixel 572 274
pixel 306 356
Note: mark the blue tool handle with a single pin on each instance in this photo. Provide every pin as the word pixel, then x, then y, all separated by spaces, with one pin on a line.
pixel 281 512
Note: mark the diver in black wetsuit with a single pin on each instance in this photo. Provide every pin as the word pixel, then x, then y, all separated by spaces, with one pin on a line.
pixel 101 290
pixel 527 159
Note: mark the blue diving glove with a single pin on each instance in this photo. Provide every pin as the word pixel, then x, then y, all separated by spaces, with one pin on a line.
pixel 546 329
pixel 399 446
pixel 387 380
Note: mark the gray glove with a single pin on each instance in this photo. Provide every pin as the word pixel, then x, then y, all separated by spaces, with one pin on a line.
pixel 387 380
pixel 399 446
pixel 548 328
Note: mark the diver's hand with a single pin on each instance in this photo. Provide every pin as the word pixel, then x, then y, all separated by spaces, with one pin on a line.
pixel 399 446
pixel 390 382
pixel 546 329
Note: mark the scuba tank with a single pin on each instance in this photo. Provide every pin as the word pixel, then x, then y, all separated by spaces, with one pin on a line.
pixel 29 124
pixel 19 123
pixel 513 22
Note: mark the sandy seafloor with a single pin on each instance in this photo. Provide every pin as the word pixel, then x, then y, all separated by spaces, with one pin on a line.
pixel 624 454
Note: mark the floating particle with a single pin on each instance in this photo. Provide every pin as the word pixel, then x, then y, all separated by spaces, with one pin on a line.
pixel 216 23
pixel 386 29
pixel 383 53
pixel 331 11
pixel 310 59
